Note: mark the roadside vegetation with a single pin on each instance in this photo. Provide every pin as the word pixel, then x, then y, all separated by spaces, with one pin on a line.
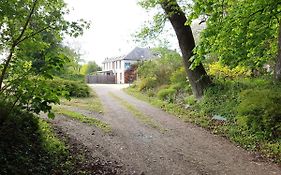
pixel 239 106
pixel 82 118
pixel 36 72
pixel 91 103
pixel 28 145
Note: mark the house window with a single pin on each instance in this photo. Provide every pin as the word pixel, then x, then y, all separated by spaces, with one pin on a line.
pixel 120 76
pixel 127 66
pixel 120 64
pixel 116 64
pixel 113 65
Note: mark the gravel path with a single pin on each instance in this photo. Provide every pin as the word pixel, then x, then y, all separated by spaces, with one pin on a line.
pixel 141 149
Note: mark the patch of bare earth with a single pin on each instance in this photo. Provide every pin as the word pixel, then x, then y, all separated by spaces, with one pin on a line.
pixel 137 148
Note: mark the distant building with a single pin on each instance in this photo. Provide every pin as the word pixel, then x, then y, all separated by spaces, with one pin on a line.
pixel 122 67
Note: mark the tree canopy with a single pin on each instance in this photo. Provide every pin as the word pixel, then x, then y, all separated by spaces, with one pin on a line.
pixel 31 36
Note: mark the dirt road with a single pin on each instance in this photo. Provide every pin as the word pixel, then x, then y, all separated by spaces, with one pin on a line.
pixel 173 147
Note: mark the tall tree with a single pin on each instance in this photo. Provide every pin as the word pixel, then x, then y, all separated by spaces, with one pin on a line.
pixel 196 73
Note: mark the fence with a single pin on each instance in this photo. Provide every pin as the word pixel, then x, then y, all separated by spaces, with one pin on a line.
pixel 100 79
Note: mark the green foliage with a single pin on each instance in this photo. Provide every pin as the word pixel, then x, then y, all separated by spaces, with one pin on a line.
pixel 179 76
pixel 220 71
pixel 191 100
pixel 157 72
pixel 222 98
pixel 238 32
pixel 146 83
pixel 31 35
pixel 29 146
pixel 90 68
pixel 261 111
pixel 74 88
pixel 167 94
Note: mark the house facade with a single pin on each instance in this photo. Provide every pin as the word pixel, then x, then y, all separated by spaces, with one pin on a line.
pixel 122 67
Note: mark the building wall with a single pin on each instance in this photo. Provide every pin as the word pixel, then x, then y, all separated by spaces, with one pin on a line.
pixel 118 68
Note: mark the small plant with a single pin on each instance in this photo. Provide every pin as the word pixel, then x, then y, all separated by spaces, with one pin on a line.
pixel 261 111
pixel 191 100
pixel 167 94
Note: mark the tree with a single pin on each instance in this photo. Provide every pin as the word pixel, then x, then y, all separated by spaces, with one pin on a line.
pixel 196 73
pixel 31 35
pixel 90 68
pixel 240 32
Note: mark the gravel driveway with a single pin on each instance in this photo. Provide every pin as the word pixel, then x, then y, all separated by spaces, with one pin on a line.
pixel 141 149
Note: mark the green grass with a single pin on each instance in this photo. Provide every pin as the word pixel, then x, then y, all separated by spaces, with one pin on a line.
pixel 91 103
pixel 139 115
pixel 82 118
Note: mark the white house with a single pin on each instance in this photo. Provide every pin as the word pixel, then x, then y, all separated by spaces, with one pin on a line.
pixel 118 66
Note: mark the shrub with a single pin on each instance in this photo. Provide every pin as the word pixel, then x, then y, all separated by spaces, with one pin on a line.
pixel 167 94
pixel 221 99
pixel 74 88
pixel 222 71
pixel 147 83
pixel 179 76
pixel 260 110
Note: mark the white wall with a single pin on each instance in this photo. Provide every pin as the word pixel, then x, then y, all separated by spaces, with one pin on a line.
pixel 120 70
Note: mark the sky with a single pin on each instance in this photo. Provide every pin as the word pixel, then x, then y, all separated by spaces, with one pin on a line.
pixel 112 25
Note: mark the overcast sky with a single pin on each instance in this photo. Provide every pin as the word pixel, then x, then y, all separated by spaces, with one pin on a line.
pixel 112 25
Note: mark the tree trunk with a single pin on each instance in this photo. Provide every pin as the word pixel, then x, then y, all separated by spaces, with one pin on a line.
pixel 278 59
pixel 198 77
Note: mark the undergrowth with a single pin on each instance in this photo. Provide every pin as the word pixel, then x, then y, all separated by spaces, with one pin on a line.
pixel 29 146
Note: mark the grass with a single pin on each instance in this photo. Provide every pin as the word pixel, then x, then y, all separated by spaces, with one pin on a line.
pixel 138 114
pixel 91 103
pixel 84 119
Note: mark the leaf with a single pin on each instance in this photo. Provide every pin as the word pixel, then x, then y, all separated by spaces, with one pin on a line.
pixel 51 115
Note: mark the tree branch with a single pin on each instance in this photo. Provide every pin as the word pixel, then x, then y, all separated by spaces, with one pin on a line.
pixel 9 58
pixel 33 34
pixel 27 21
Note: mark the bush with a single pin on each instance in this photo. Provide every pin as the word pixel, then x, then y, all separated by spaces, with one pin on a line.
pixel 222 71
pixel 167 94
pixel 260 110
pixel 179 76
pixel 221 99
pixel 147 83
pixel 74 88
